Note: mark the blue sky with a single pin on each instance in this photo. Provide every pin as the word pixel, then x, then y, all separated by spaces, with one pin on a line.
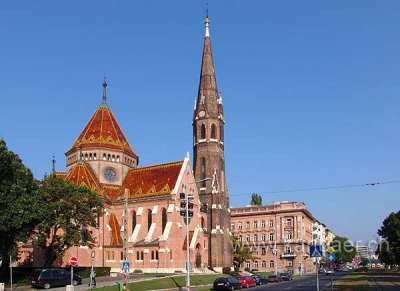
pixel 311 91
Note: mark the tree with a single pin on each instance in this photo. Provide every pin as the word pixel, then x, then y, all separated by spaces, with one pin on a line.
pixel 19 204
pixel 241 254
pixel 344 250
pixel 256 199
pixel 70 210
pixel 389 250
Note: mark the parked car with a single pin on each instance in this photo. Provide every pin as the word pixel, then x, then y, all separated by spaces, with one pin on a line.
pixel 47 278
pixel 230 283
pixel 247 281
pixel 286 276
pixel 260 279
pixel 274 278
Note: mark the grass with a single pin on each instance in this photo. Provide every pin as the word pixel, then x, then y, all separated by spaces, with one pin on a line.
pixel 353 282
pixel 166 283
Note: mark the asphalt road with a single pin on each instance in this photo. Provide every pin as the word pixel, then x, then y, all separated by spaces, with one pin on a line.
pixel 307 283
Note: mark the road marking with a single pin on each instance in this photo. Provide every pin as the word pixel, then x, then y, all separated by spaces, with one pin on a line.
pixel 289 288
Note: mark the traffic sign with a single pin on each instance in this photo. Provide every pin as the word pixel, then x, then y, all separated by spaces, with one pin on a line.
pixel 331 257
pixel 93 254
pixel 315 251
pixel 126 265
pixel 73 261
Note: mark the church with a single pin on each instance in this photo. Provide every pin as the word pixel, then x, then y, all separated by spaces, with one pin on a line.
pixel 102 159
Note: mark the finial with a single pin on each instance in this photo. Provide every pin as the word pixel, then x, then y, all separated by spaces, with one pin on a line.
pixel 207 22
pixel 54 164
pixel 105 89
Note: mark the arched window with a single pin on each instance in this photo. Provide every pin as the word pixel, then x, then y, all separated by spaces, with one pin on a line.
pixel 203 132
pixel 157 255
pixel 203 171
pixel 221 132
pixel 163 219
pixel 213 131
pixel 94 156
pixel 113 158
pixel 117 158
pixel 149 219
pixel 203 223
pixel 142 255
pixel 133 221
pixel 271 264
pixel 104 157
pixel 152 255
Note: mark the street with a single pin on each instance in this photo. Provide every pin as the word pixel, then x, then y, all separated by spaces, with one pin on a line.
pixel 307 283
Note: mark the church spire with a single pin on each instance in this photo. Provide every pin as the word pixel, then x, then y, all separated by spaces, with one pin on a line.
pixel 105 90
pixel 208 100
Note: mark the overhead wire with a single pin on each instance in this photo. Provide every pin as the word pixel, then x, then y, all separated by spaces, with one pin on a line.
pixel 320 188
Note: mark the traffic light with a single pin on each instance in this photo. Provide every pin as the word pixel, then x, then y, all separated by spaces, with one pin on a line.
pixel 182 196
pixel 183 205
pixel 190 207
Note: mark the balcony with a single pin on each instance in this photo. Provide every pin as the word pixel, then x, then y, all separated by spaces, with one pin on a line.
pixel 288 255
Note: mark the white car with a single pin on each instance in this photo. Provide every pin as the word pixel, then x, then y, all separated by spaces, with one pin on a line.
pixel 329 272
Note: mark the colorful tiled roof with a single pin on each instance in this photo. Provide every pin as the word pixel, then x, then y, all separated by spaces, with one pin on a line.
pixel 116 232
pixel 103 130
pixel 151 181
pixel 81 174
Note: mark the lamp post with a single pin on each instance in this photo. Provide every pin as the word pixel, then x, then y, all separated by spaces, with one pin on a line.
pixel 187 233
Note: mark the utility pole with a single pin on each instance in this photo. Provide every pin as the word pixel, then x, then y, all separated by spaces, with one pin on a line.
pixel 125 242
pixel 11 278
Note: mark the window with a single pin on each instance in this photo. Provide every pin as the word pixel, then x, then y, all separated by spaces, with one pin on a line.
pixel 255 238
pixel 137 256
pixel 203 132
pixel 289 235
pixel 122 256
pixel 164 219
pixel 263 237
pixel 157 255
pixel 263 251
pixel 271 223
pixel 232 226
pixel 239 225
pixel 271 236
pixel 248 265
pixel 247 238
pixel 288 250
pixel 255 250
pixel 262 223
pixel 255 264
pixel 247 224
pixel 170 255
pixel 289 263
pixel 263 264
pixel 271 264
pixel 289 222
pixel 152 255
pixel 255 224
pixel 142 255
pixel 149 219
pixel 221 132
pixel 203 172
pixel 133 220
pixel 213 132
pixel 240 238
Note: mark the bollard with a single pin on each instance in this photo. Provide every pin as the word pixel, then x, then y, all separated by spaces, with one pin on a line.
pixel 1 286
pixel 69 288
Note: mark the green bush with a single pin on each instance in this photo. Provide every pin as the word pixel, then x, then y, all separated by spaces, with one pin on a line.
pixel 226 270
pixel 138 271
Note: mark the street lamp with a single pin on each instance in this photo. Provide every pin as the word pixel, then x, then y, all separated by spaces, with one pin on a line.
pixel 186 212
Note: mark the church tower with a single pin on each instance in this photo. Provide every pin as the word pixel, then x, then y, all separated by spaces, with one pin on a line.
pixel 103 146
pixel 209 161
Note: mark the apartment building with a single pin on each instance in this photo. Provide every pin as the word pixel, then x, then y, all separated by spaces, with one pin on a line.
pixel 278 235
